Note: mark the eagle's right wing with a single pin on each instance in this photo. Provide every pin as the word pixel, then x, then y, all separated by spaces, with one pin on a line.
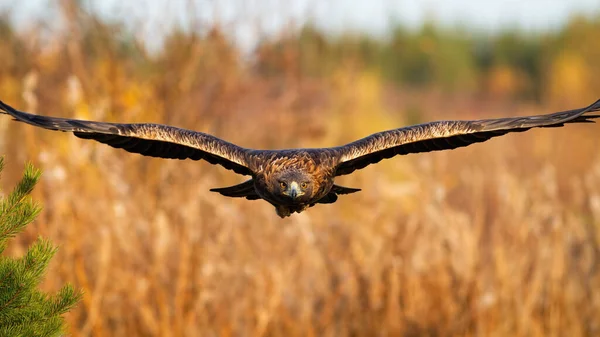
pixel 445 135
pixel 153 140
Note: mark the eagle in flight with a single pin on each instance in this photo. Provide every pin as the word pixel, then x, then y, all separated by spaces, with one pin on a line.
pixel 294 179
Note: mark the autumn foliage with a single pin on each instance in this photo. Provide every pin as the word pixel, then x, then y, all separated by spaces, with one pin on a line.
pixel 497 239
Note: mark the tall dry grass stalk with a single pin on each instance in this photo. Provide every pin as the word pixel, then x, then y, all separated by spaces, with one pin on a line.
pixel 497 239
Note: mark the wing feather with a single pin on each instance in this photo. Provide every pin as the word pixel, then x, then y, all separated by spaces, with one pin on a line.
pixel 155 140
pixel 445 135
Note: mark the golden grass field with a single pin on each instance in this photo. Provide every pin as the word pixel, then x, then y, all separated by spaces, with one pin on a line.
pixel 496 239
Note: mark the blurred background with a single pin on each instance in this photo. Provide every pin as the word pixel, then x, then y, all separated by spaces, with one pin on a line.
pixel 497 239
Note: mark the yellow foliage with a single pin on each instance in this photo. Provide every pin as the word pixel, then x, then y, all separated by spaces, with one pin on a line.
pixel 132 95
pixel 10 87
pixel 505 82
pixel 569 79
pixel 496 239
pixel 358 97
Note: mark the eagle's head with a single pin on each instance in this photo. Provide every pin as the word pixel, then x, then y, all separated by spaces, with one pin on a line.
pixel 294 186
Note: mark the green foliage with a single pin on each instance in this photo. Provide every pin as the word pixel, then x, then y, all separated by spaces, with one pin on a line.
pixel 24 310
pixel 453 59
pixel 429 55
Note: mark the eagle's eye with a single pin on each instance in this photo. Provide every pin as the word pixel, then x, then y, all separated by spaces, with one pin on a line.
pixel 304 185
pixel 282 184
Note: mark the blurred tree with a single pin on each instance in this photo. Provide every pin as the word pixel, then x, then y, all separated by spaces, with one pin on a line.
pixel 569 79
pixel 570 61
pixel 511 62
pixel 430 57
pixel 406 58
pixel 505 82
pixel 24 310
pixel 17 61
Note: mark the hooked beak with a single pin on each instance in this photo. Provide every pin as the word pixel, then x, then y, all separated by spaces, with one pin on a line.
pixel 294 190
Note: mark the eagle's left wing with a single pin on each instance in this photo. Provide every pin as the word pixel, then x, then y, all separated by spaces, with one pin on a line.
pixel 445 135
pixel 155 140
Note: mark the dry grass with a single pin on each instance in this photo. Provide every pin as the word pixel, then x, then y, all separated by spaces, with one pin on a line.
pixel 497 239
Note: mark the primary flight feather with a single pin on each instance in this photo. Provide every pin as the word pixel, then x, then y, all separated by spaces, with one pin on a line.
pixel 295 179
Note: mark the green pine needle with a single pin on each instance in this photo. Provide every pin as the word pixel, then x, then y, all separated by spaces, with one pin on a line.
pixel 25 310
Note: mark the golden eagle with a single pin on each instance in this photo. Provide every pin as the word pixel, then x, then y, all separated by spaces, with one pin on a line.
pixel 293 180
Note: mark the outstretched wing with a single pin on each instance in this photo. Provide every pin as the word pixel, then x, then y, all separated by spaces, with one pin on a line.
pixel 445 135
pixel 153 140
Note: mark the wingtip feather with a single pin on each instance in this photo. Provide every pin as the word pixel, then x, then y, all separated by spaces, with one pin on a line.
pixel 5 108
pixel 594 107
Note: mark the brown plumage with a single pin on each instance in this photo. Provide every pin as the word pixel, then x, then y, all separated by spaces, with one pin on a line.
pixel 295 179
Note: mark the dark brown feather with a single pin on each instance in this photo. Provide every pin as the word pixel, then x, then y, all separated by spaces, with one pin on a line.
pixel 243 190
pixel 445 135
pixel 153 140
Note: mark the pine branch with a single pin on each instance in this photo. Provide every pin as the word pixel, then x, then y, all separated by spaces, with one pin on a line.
pixel 25 310
pixel 16 212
